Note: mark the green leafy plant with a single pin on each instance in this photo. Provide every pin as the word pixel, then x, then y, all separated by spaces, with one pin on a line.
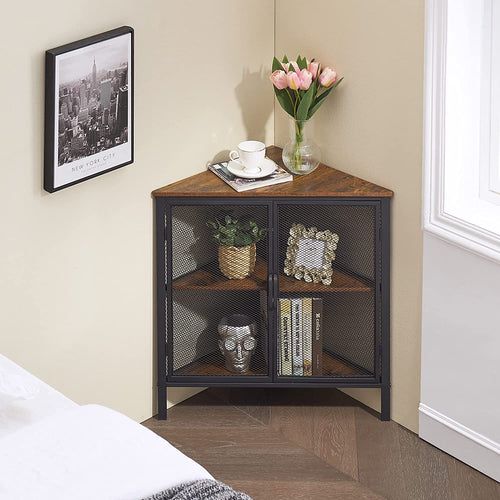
pixel 234 233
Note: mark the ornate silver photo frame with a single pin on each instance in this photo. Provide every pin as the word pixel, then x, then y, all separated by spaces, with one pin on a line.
pixel 310 254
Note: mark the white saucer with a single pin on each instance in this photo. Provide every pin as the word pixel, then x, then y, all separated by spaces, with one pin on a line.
pixel 267 167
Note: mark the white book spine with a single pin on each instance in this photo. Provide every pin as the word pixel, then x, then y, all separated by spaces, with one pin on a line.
pixel 298 357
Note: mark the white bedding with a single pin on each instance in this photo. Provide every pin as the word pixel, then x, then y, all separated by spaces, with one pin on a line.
pixel 90 452
pixel 22 412
pixel 52 448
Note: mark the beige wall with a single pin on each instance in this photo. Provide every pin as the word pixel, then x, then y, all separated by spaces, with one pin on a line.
pixel 76 266
pixel 372 129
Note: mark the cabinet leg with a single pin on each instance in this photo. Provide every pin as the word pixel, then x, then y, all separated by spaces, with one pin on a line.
pixel 162 403
pixel 385 405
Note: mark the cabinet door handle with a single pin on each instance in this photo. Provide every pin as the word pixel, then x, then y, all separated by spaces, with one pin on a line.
pixel 270 292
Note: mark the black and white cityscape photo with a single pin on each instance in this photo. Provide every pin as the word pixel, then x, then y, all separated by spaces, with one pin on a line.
pixel 93 102
pixel 93 105
pixel 91 108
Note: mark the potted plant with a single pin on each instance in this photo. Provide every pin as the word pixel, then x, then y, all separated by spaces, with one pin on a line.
pixel 237 251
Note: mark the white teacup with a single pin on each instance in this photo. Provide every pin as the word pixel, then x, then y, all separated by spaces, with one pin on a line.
pixel 250 154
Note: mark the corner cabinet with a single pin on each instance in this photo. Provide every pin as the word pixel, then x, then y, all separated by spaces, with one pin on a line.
pixel 193 295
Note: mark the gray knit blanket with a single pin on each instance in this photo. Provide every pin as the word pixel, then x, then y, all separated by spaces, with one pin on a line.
pixel 204 489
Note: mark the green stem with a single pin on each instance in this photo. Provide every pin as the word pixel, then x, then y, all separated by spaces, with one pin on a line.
pixel 299 138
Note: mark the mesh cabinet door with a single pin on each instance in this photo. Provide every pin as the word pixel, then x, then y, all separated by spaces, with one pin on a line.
pixel 327 330
pixel 217 304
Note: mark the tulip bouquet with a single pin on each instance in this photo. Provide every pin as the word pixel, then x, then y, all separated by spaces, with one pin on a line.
pixel 301 86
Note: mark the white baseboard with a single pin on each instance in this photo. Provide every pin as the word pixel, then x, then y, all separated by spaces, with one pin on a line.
pixel 459 441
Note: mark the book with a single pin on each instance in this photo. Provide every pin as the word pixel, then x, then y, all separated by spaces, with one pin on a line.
pixel 239 184
pixel 317 340
pixel 285 337
pixel 307 335
pixel 297 354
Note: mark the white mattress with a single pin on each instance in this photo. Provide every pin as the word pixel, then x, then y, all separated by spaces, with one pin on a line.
pixel 22 412
pixel 52 448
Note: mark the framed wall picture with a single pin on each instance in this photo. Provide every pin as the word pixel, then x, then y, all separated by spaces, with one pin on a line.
pixel 310 253
pixel 89 108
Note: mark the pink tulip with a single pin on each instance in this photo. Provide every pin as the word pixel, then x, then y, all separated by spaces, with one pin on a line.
pixel 293 80
pixel 279 79
pixel 328 77
pixel 305 79
pixel 313 67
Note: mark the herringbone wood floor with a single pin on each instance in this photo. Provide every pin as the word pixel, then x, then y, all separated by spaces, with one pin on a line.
pixel 313 444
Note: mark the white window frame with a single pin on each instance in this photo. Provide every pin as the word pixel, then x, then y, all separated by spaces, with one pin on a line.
pixel 443 217
pixel 490 123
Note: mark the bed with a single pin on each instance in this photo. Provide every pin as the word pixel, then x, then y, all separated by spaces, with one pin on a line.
pixel 51 447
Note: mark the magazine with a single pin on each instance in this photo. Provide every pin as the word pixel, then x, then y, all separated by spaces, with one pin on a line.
pixel 238 184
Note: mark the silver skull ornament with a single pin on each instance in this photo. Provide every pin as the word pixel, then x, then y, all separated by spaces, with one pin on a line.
pixel 237 341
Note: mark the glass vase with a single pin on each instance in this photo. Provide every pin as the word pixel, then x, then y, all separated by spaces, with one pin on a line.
pixel 301 155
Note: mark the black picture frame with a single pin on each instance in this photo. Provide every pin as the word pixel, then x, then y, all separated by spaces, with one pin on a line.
pixel 64 167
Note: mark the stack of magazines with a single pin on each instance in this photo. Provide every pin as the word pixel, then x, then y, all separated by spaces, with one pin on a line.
pixel 300 344
pixel 239 184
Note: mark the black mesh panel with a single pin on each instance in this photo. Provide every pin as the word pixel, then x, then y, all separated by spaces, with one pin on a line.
pixel 349 305
pixel 202 295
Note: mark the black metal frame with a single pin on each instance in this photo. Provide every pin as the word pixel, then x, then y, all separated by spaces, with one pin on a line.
pixel 165 378
pixel 50 93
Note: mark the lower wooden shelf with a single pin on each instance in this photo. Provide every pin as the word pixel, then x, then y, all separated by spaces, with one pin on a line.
pixel 334 367
pixel 212 365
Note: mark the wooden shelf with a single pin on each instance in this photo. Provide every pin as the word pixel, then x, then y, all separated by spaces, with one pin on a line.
pixel 334 367
pixel 213 366
pixel 341 282
pixel 209 278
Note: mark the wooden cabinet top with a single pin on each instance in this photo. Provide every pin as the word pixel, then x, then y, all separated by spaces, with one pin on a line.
pixel 324 181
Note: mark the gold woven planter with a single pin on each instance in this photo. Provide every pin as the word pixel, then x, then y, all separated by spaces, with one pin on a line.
pixel 237 263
